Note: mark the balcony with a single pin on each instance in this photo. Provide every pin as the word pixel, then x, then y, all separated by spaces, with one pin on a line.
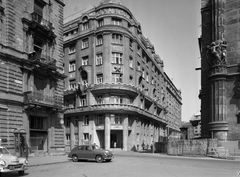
pixel 38 24
pixel 43 59
pixel 117 108
pixel 117 87
pixel 38 99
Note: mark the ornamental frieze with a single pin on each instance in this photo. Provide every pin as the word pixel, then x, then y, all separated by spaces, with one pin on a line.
pixel 110 11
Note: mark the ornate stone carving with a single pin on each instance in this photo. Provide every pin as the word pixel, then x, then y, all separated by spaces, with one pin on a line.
pixel 217 52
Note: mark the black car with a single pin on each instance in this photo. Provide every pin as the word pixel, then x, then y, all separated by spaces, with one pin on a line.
pixel 90 152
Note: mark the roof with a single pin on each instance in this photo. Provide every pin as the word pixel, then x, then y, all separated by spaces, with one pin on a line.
pixel 77 14
pixel 111 2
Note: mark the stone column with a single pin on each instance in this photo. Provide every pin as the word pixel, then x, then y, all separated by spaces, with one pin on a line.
pixel 125 133
pixel 80 132
pixel 107 130
pixel 218 126
pixel 72 137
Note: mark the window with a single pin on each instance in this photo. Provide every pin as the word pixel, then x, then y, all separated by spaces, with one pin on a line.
pixel 72 48
pixel 130 62
pixel 143 73
pixel 72 85
pixel 86 120
pixel 138 66
pixel 84 60
pixel 118 99
pixel 37 123
pixel 116 21
pixel 99 60
pixel 99 78
pixel 139 50
pixel 130 79
pixel 118 119
pixel 117 39
pixel 117 78
pixel 99 119
pixel 238 118
pixel 76 122
pixel 130 43
pixel 85 26
pixel 117 58
pixel 153 80
pixel 100 22
pixel 72 66
pixel 147 77
pixel 100 99
pixel 67 137
pixel 82 101
pixel 99 40
pixel 86 136
pixel 68 122
pixel 84 43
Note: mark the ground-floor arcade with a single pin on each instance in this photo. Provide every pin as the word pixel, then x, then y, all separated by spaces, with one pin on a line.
pixel 128 132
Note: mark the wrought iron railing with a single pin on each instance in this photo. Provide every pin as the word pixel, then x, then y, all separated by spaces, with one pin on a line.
pixel 35 97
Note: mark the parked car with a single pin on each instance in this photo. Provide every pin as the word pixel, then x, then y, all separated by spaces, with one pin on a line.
pixel 11 163
pixel 90 152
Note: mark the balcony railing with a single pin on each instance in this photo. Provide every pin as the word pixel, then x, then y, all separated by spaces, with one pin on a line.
pixel 41 21
pixel 117 107
pixel 38 56
pixel 42 99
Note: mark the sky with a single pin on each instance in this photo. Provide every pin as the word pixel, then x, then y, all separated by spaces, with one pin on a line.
pixel 173 27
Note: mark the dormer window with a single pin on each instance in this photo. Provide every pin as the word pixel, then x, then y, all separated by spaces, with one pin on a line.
pixel 85 24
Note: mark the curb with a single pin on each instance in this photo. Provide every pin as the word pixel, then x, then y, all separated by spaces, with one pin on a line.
pixel 51 163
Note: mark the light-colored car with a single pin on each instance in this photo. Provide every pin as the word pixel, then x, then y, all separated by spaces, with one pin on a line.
pixel 11 163
pixel 90 152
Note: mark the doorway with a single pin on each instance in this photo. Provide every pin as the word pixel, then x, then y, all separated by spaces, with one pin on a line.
pixel 116 139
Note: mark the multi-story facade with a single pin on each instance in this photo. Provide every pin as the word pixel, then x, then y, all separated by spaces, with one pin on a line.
pixel 31 74
pixel 117 94
pixel 220 53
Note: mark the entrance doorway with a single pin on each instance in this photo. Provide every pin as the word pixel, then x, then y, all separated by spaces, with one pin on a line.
pixel 38 141
pixel 116 139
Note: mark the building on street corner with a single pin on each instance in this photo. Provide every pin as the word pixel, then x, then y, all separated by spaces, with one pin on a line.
pixel 31 75
pixel 117 94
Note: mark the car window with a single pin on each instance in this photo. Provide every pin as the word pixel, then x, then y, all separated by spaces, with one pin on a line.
pixel 4 151
pixel 88 148
pixel 95 147
pixel 81 148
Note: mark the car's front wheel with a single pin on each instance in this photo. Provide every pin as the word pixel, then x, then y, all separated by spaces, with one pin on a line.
pixel 21 173
pixel 99 159
pixel 74 158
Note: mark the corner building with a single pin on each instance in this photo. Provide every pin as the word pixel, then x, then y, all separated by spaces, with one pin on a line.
pixel 31 79
pixel 117 94
pixel 219 44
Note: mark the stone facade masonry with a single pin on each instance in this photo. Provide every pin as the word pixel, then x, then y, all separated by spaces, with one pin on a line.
pixel 20 103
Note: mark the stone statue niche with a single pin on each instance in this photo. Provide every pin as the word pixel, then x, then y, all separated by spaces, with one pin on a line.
pixel 217 52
